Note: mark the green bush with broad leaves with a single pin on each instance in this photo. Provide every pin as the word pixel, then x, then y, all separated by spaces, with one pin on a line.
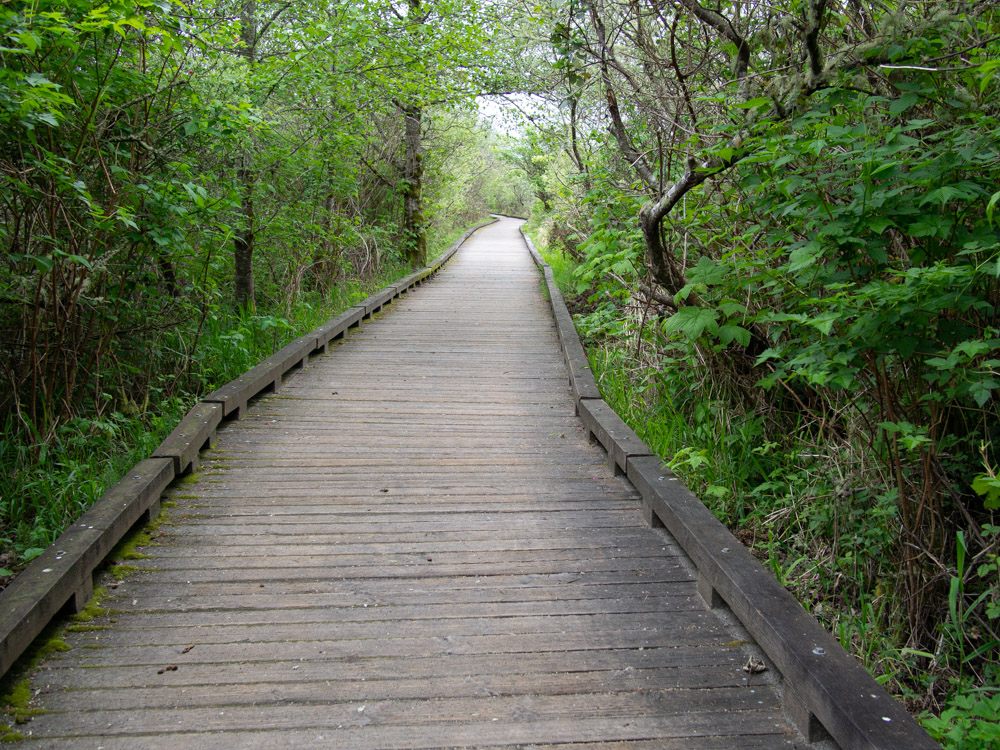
pixel 828 376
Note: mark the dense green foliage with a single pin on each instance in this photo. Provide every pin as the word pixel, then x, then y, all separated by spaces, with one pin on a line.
pixel 784 233
pixel 183 188
pixel 781 226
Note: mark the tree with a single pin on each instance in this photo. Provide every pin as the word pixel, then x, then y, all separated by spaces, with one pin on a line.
pixel 93 103
pixel 816 187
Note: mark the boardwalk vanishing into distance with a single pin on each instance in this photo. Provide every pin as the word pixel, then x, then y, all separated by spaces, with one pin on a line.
pixel 413 544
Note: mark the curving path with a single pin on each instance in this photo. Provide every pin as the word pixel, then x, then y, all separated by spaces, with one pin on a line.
pixel 413 545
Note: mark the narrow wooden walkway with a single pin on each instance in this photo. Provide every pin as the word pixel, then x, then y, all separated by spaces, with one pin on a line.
pixel 413 545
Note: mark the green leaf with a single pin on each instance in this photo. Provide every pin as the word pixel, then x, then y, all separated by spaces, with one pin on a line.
pixel 686 290
pixel 623 267
pixel 879 225
pixel 991 206
pixel 730 333
pixel 692 322
pixel 987 70
pixel 975 348
pixel 29 40
pixel 943 194
pixel 824 323
pixel 930 225
pixel 884 168
pixel 708 272
pixel 903 103
pixel 954 592
pixel 37 79
pixel 805 256
pixel 759 101
pixel 989 488
pixel 981 390
pixel 730 308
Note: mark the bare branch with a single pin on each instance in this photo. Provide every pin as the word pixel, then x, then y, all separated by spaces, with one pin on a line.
pixel 724 28
pixel 636 159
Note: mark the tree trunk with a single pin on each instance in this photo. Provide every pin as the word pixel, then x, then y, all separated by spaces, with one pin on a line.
pixel 414 231
pixel 243 242
pixel 580 163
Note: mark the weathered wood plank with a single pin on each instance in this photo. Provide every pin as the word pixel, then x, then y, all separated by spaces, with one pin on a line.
pixel 376 544
pixel 145 596
pixel 63 574
pixel 414 611
pixel 476 731
pixel 195 433
pixel 136 698
pixel 680 705
pixel 416 557
pixel 679 629
pixel 689 667
pixel 416 524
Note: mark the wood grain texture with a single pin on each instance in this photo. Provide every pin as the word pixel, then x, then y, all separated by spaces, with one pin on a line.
pixel 413 545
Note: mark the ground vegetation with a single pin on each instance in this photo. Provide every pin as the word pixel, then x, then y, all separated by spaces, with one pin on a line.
pixel 784 247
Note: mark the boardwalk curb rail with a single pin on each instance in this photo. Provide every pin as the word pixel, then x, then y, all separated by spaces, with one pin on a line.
pixel 617 438
pixel 335 328
pixel 580 377
pixel 195 432
pixel 826 691
pixel 61 579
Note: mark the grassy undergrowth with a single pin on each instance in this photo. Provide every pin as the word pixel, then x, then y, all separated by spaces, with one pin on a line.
pixel 46 483
pixel 813 509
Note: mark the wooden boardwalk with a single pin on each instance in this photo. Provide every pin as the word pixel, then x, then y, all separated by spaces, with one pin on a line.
pixel 413 545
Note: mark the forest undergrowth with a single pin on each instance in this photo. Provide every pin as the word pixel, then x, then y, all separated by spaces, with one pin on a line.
pixel 814 506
